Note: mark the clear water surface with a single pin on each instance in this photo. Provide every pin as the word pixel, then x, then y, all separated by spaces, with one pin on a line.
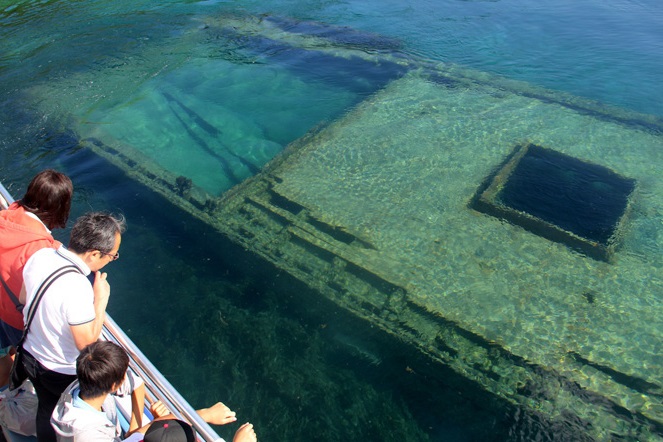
pixel 166 78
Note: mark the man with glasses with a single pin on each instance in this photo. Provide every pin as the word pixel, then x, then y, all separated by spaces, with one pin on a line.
pixel 67 311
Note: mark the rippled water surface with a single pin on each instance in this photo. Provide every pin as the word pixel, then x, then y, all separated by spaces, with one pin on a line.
pixel 166 78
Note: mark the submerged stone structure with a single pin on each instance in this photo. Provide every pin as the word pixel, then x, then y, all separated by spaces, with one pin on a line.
pixel 379 212
pixel 560 198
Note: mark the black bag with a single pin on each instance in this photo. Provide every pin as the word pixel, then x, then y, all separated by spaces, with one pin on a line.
pixel 18 372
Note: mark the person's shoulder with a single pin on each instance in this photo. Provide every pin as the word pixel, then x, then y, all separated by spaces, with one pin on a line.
pixel 96 432
pixel 81 424
pixel 19 231
pixel 42 259
pixel 130 383
pixel 45 261
pixel 19 218
pixel 46 253
pixel 12 211
pixel 135 437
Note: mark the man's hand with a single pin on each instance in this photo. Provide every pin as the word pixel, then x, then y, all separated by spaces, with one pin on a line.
pixel 217 414
pixel 101 289
pixel 86 334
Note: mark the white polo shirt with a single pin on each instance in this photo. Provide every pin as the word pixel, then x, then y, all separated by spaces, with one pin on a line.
pixel 68 301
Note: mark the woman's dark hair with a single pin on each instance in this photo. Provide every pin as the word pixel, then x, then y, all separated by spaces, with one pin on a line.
pixel 100 366
pixel 49 197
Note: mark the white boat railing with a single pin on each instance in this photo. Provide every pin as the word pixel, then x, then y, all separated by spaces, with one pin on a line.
pixel 156 385
pixel 5 198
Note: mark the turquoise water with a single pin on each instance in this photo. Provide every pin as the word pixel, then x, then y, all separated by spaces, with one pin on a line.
pixel 216 105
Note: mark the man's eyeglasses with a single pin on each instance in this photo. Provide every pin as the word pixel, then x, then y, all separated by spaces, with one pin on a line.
pixel 112 257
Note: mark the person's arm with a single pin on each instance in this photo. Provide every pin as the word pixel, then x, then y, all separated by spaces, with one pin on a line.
pixel 22 295
pixel 6 363
pixel 137 405
pixel 133 386
pixel 86 334
pixel 217 414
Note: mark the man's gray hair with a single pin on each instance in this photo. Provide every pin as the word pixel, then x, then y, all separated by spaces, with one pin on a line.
pixel 95 231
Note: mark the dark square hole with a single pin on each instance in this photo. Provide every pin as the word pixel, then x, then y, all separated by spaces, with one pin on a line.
pixel 560 198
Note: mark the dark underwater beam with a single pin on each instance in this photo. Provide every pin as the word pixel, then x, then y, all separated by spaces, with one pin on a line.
pixel 359 75
pixel 227 170
pixel 214 132
pixel 341 35
pixel 353 73
pixel 200 121
pixel 630 381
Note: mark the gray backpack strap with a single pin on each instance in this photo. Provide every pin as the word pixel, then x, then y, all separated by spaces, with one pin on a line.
pixel 12 296
pixel 40 294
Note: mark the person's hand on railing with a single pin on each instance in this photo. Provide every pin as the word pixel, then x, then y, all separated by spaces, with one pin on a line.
pixel 159 409
pixel 217 414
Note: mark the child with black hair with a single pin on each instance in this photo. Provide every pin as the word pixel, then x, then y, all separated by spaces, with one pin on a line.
pixel 87 411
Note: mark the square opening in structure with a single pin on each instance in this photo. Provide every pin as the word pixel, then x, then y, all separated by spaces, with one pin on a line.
pixel 560 198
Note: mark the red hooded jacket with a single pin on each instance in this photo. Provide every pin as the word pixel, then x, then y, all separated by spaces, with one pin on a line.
pixel 20 236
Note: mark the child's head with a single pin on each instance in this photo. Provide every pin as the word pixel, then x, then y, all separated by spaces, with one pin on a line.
pixel 100 368
pixel 169 430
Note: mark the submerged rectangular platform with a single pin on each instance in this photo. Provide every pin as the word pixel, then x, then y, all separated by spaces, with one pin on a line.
pixel 374 213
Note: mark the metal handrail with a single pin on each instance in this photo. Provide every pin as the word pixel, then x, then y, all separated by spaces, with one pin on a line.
pixel 5 197
pixel 155 383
